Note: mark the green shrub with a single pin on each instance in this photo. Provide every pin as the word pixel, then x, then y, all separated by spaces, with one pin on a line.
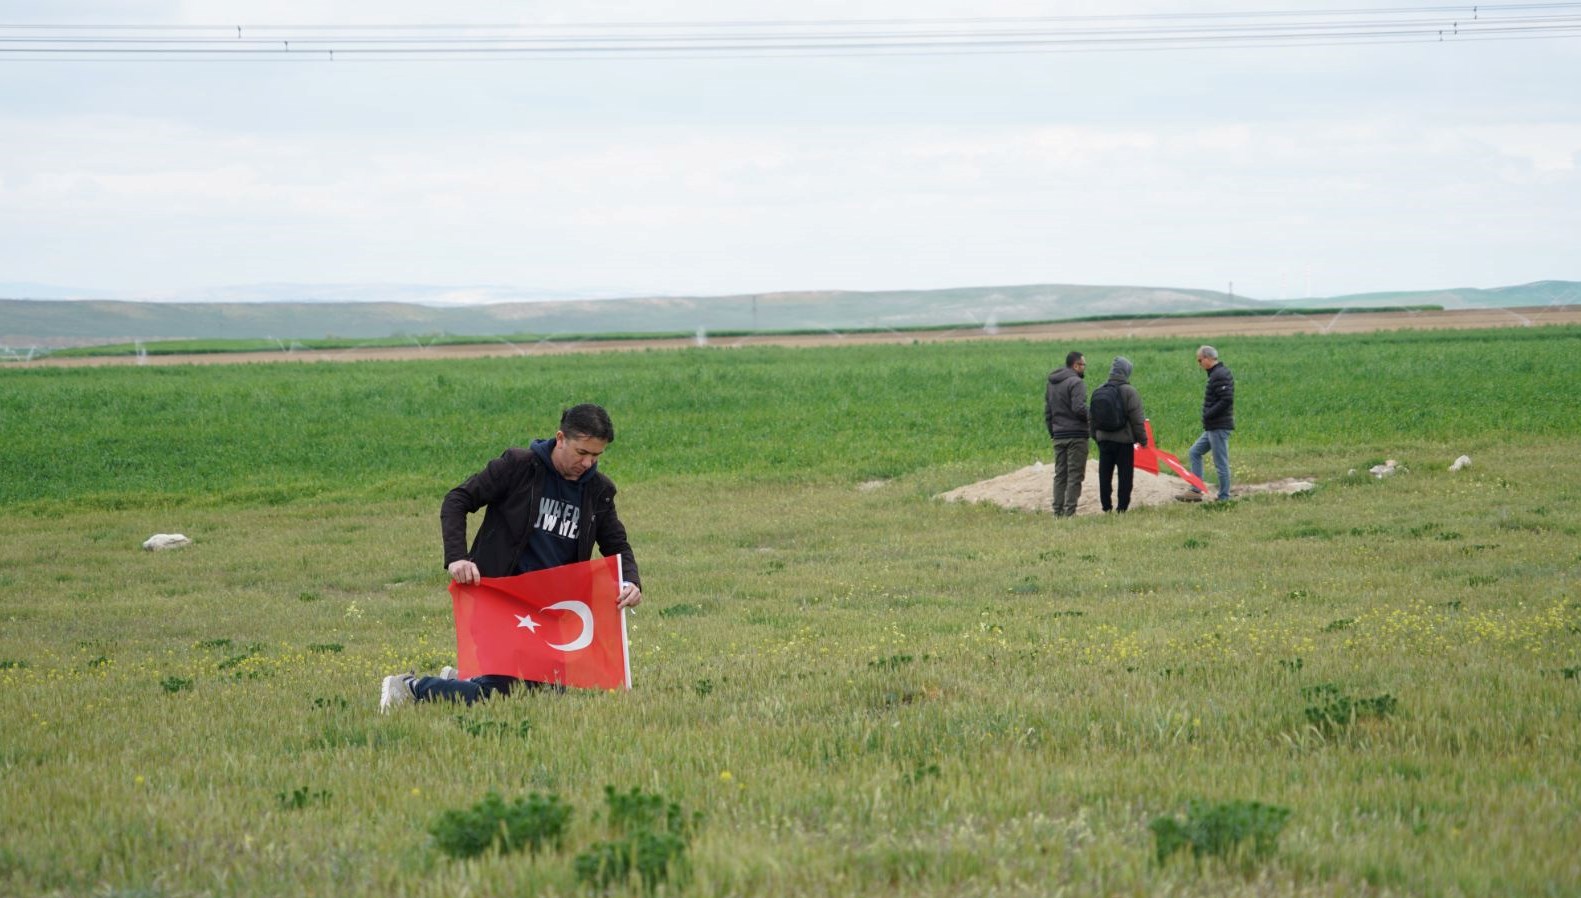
pixel 652 855
pixel 1221 830
pixel 636 810
pixel 891 663
pixel 533 823
pixel 301 797
pixel 652 841
pixel 1344 710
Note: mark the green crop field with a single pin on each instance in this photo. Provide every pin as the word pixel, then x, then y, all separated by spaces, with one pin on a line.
pixel 842 684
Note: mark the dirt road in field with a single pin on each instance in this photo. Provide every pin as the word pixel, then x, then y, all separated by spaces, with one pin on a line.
pixel 1200 328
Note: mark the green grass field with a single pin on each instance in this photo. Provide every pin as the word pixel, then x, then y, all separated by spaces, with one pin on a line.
pixel 855 687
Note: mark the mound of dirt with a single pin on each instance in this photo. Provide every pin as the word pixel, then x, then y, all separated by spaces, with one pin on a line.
pixel 1032 489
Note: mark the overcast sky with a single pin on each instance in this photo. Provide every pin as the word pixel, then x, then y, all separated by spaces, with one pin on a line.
pixel 1288 171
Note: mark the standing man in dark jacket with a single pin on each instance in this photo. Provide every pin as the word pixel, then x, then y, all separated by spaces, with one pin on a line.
pixel 545 506
pixel 1117 448
pixel 1065 413
pixel 1218 419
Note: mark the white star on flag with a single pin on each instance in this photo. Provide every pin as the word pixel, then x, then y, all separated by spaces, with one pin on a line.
pixel 525 620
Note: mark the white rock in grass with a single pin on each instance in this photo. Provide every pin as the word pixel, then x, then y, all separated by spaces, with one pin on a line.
pixel 165 541
pixel 1462 462
pixel 1383 470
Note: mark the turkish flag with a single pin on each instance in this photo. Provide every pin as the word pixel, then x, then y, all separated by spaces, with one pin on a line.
pixel 1148 458
pixel 554 626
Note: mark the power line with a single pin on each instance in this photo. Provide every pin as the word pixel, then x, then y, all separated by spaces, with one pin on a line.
pixel 1324 28
pixel 771 39
pixel 1466 11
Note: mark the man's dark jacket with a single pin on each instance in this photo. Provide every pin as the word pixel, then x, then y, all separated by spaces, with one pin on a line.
pixel 509 486
pixel 1218 402
pixel 1065 405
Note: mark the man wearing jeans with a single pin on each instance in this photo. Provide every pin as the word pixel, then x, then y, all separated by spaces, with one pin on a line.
pixel 1065 413
pixel 1218 419
pixel 544 506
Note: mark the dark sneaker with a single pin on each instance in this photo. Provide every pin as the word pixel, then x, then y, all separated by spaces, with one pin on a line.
pixel 1188 496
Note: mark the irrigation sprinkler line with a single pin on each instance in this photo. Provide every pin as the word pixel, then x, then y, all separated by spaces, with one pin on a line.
pixel 517 349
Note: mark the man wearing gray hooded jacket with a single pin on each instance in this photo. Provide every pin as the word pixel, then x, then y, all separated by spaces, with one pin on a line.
pixel 1065 414
pixel 1117 448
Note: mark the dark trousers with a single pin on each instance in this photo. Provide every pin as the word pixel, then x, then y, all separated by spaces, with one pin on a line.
pixel 430 689
pixel 1114 457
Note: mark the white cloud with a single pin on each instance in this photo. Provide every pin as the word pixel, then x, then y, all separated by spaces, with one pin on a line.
pixel 1380 169
pixel 809 208
pixel 1545 146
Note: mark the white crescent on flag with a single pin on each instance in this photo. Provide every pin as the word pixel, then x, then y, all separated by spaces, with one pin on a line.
pixel 583 612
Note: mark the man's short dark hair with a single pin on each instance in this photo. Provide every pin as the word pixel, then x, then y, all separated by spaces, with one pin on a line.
pixel 587 421
pixel 1072 358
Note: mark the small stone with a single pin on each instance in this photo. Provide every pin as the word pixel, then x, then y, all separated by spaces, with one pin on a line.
pixel 165 541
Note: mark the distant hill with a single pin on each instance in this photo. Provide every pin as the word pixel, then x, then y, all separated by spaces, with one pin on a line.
pixel 1537 293
pixel 421 294
pixel 58 323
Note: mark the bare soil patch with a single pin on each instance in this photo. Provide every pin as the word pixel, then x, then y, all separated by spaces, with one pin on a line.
pixel 1266 325
pixel 1032 489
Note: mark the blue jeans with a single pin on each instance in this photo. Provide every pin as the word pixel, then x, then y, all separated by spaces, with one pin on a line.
pixel 1219 442
pixel 428 689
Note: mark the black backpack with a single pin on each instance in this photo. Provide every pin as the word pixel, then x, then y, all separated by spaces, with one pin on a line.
pixel 1107 408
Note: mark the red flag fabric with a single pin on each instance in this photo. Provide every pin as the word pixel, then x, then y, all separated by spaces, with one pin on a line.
pixel 1145 458
pixel 1180 470
pixel 1150 456
pixel 554 626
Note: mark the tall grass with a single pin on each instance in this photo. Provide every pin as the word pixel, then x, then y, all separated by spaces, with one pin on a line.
pixel 863 690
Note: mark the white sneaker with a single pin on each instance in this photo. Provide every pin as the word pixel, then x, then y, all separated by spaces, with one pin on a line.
pixel 448 673
pixel 397 691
